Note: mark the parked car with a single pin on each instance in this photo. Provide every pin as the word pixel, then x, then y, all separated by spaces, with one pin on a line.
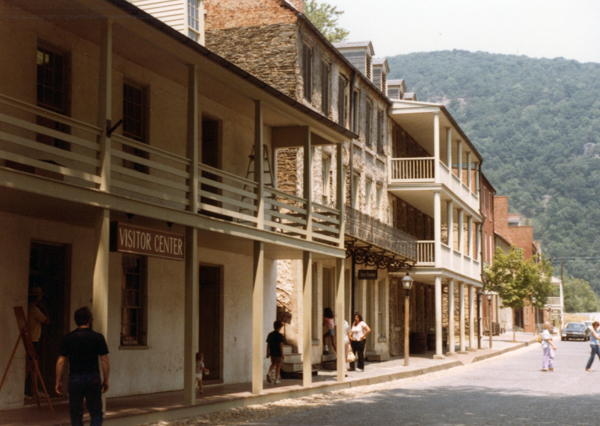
pixel 575 330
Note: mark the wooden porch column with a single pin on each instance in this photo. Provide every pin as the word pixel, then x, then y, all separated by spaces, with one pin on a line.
pixel 191 315
pixel 307 319
pixel 438 318
pixel 470 235
pixel 105 102
pixel 472 313
pixel 461 325
pixel 478 236
pixel 450 227
pixel 459 160
pixel 436 146
pixel 449 147
pixel 340 188
pixel 461 231
pixel 307 176
pixel 437 228
pixel 469 179
pixel 259 172
pixel 101 285
pixel 340 308
pixel 258 347
pixel 192 290
pixel 451 342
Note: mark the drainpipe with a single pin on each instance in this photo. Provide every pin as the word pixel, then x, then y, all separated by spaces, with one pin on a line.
pixel 351 164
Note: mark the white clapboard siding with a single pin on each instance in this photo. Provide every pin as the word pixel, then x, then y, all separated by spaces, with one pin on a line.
pixel 171 12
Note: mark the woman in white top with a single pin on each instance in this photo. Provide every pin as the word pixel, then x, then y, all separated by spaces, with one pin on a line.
pixel 358 334
pixel 346 345
pixel 547 346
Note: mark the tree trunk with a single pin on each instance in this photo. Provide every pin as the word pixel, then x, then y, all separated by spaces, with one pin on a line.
pixel 514 333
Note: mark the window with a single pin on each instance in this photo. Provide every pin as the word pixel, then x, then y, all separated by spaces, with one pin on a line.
pixel 194 20
pixel 326 178
pixel 133 301
pixel 342 83
pixel 356 111
pixel 52 93
pixel 134 124
pixel 368 187
pixel 377 73
pixel 325 74
pixel 307 71
pixel 379 132
pixel 368 118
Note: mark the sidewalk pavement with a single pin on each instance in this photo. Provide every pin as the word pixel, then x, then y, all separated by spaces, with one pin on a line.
pixel 165 406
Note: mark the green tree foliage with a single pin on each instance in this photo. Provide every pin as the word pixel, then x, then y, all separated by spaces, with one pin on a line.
pixel 325 18
pixel 518 281
pixel 537 124
pixel 579 296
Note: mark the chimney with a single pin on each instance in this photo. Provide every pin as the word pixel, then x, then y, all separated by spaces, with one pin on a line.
pixel 298 4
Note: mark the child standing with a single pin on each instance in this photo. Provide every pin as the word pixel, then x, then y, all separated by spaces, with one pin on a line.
pixel 200 369
pixel 275 342
pixel 330 323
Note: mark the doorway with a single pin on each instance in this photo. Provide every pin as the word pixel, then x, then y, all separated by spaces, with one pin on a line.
pixel 49 269
pixel 210 341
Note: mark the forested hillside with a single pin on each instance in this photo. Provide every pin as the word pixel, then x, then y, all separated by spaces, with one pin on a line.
pixel 537 124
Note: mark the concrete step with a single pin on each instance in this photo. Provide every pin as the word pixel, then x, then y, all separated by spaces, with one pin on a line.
pixel 328 357
pixel 292 358
pixel 291 367
pixel 287 349
pixel 329 365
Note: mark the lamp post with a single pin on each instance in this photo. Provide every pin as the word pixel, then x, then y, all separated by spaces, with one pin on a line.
pixel 407 283
pixel 489 298
pixel 534 314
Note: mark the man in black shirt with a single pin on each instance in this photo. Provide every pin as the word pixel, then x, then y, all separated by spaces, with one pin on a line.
pixel 275 341
pixel 83 347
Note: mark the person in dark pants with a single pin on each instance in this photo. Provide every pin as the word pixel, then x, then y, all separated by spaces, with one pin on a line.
pixel 594 344
pixel 358 334
pixel 83 346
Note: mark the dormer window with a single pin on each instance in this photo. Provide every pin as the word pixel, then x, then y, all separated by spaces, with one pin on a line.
pixel 194 20
pixel 368 66
pixel 380 70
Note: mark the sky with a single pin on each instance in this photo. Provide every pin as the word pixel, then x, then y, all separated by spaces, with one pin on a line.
pixel 535 28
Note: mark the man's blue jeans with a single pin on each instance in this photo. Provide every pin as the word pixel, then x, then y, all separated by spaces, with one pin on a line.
pixel 88 386
pixel 595 351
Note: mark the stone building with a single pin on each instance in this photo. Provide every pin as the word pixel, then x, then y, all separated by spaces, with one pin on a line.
pixel 346 83
pixel 124 186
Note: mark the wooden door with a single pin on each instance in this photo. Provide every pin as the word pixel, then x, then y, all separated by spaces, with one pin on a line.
pixel 211 318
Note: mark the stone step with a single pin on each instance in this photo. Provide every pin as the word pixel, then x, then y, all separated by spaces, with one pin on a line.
pixel 328 357
pixel 292 367
pixel 287 349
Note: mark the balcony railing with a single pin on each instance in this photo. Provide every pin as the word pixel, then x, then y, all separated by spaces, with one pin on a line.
pixel 370 230
pixel 450 259
pixel 554 301
pixel 144 172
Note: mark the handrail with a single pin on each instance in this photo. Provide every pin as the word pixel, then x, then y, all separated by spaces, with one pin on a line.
pixel 149 148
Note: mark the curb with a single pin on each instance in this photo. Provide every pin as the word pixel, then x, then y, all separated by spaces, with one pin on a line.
pixel 502 351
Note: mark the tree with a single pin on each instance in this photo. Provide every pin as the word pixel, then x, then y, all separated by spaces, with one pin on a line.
pixel 579 296
pixel 325 18
pixel 517 281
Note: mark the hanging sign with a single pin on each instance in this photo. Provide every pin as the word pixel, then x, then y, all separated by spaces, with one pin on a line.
pixel 149 242
pixel 367 274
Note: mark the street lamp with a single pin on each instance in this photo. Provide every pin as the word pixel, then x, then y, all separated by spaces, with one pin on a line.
pixel 407 283
pixel 489 298
pixel 535 318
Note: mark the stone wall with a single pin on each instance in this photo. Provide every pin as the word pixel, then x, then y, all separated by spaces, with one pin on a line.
pixel 222 14
pixel 268 52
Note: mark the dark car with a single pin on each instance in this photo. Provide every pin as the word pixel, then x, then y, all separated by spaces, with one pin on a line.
pixel 575 330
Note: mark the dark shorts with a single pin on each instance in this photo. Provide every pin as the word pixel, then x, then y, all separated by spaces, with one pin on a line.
pixel 332 332
pixel 276 359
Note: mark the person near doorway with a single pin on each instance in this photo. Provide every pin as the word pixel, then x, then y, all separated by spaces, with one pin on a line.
pixel 37 314
pixel 358 334
pixel 346 346
pixel 549 348
pixel 329 322
pixel 200 369
pixel 594 339
pixel 275 342
pixel 82 347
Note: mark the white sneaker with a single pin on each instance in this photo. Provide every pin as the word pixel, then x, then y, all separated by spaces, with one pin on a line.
pixel 277 381
pixel 359 370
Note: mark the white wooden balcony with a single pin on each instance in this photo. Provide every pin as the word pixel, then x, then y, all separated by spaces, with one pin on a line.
pixel 143 172
pixel 404 172
pixel 450 259
pixel 554 301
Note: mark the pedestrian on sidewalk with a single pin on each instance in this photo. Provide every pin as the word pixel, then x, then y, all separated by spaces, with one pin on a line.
pixel 549 348
pixel 359 332
pixel 200 369
pixel 346 346
pixel 275 341
pixel 594 337
pixel 82 347
pixel 329 322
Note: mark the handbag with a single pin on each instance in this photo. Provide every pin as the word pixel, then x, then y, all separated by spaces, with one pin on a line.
pixel 351 357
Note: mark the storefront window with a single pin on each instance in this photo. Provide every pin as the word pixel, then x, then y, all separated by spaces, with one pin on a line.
pixel 133 302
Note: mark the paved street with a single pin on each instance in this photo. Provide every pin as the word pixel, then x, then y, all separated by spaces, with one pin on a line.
pixel 507 390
